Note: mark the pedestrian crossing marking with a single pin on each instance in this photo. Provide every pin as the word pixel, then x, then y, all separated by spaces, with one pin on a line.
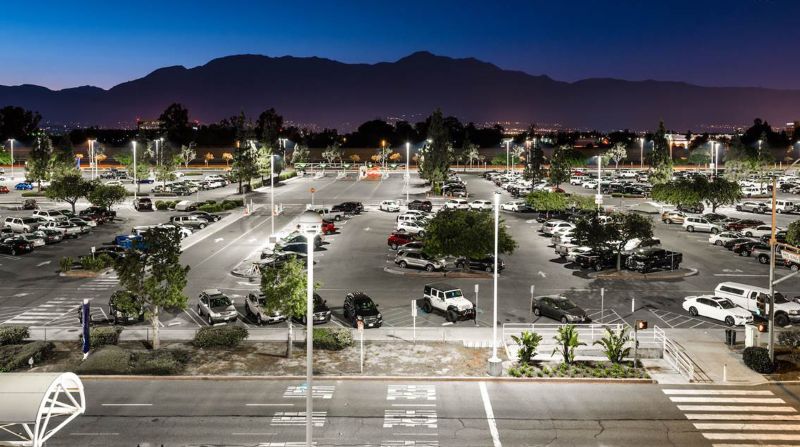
pixel 734 426
pixel 411 392
pixel 297 418
pixel 733 400
pixel 743 417
pixel 317 391
pixel 410 418
pixel 411 443
pixel 752 436
pixel 721 392
pixel 735 408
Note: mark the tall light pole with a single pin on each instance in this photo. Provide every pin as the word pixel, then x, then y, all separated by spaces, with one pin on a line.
pixel 495 364
pixel 135 181
pixel 641 153
pixel 408 175
pixel 508 156
pixel 310 223
pixel 599 198
pixel 11 140
pixel 272 193
pixel 92 158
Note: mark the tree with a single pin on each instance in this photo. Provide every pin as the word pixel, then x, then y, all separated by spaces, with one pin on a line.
pixel 175 122
pixel 546 201
pixel 354 158
pixel 209 157
pixel 617 153
pixel 793 233
pixel 104 196
pixel 678 192
pixel 660 159
pixel 227 156
pixel 153 272
pixel 721 192
pixel 465 233
pixel 560 165
pixel 624 227
pixel 284 288
pixel 699 157
pixel 528 343
pixel 332 153
pixel 165 171
pixel 142 170
pixel 592 233
pixel 435 156
pixel 188 153
pixel 535 161
pixel 268 127
pixel 38 165
pixel 566 342
pixel 62 160
pixel 300 154
pixel 18 123
pixel 471 153
pixel 69 188
pixel 245 163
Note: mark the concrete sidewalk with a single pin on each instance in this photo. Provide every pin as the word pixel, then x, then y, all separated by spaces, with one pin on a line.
pixel 714 361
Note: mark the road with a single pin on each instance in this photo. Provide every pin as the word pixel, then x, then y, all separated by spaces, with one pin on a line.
pixel 429 413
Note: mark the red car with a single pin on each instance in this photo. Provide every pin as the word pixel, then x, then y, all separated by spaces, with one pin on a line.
pixel 397 239
pixel 742 224
pixel 328 227
pixel 4 189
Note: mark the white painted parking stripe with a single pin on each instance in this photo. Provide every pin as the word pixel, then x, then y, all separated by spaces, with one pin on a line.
pixel 720 392
pixel 742 417
pixel 487 406
pixel 752 436
pixel 269 405
pixel 729 426
pixel 731 400
pixel 742 408
pixel 126 405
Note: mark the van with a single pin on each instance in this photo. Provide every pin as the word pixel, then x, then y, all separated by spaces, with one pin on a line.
pixel 49 215
pixel 785 206
pixel 22 224
pixel 692 224
pixel 756 300
pixel 186 205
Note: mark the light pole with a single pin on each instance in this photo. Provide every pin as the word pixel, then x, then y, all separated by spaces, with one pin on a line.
pixel 715 156
pixel 641 153
pixel 93 158
pixel 599 199
pixel 272 193
pixel 11 141
pixel 495 364
pixel 310 223
pixel 508 158
pixel 408 175
pixel 135 181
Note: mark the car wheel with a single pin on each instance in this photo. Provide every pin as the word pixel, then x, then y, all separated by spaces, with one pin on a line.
pixel 763 259
pixel 13 252
pixel 421 234
pixel 598 267
pixel 427 307
pixel 668 221
pixel 488 269
pixel 778 211
pixel 210 321
pixel 729 321
pixel 794 267
pixel 403 264
pixel 718 243
pixel 738 208
pixel 259 321
pixel 451 316
pixel 741 253
pixel 394 246
pixel 693 311
pixel 429 268
pixel 537 311
pixel 564 320
pixel 202 226
pixel 304 320
pixel 714 230
pixel 690 229
pixel 748 234
pixel 782 320
pixel 338 218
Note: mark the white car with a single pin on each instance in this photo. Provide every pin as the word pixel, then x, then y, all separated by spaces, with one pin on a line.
pixel 34 239
pixel 411 227
pixel 417 213
pixel 515 205
pixel 481 205
pixel 49 215
pixel 573 252
pixel 456 204
pixel 722 237
pixel 390 206
pixel 114 183
pixel 716 308
pixel 576 180
pixel 65 228
pixel 589 184
pixel 761 230
pixel 549 227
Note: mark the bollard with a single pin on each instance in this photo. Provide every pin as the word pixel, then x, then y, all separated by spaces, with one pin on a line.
pixel 724 372
pixel 633 305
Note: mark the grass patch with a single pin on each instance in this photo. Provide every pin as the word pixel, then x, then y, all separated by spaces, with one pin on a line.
pixel 333 339
pixel 587 370
pixel 13 357
pixel 220 336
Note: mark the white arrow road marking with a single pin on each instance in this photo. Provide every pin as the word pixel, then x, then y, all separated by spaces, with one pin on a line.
pixel 366 229
pixel 252 240
pixel 43 263
pixel 21 294
pixel 219 239
pixel 542 274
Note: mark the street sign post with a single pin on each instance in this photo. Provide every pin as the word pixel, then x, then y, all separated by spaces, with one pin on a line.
pixel 414 319
pixel 313 190
pixel 476 304
pixel 360 325
pixel 530 308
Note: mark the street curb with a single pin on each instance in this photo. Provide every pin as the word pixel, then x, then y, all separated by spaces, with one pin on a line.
pixel 628 275
pixel 423 274
pixel 379 378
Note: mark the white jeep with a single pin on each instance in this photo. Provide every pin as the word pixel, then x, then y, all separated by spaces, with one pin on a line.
pixel 448 300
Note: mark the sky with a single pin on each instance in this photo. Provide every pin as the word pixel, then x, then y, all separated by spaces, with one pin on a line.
pixel 60 44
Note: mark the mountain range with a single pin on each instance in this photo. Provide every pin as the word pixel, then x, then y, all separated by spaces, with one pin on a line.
pixel 334 94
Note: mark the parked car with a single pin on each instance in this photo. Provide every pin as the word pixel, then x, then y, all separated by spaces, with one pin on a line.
pixel 112 251
pixel 752 207
pixel 421 205
pixel 49 215
pixel 125 307
pixel 360 307
pixel 644 260
pixel 559 308
pixel 741 224
pixel 15 246
pixel 671 217
pixel 143 204
pixel 414 258
pixel 322 313
pixel 210 218
pixel 216 306
pixel 754 298
pixel 4 189
pixel 69 229
pixel 598 260
pixel 22 224
pixel 110 214
pixel 456 204
pixel 412 227
pixel 448 300
pixel 760 230
pixel 190 221
pixel 514 205
pixel 349 207
pixel 397 239
pixel 551 226
pixel 23 186
pixel 390 206
pixel 720 238
pixel 328 227
pixel 693 208
pixel 49 236
pixel 255 308
pixel 692 224
pixel 486 264
pixel 481 205
pixel 721 309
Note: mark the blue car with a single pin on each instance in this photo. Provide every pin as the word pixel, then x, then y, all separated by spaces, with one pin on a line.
pixel 24 186
pixel 146 181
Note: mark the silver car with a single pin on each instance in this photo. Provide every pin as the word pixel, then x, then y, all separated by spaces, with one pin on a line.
pixel 254 307
pixel 216 307
pixel 416 258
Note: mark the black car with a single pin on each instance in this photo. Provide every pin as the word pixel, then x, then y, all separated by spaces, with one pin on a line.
pixel 420 205
pixel 598 260
pixel 125 307
pixel 143 204
pixel 746 247
pixel 15 246
pixel 544 216
pixel 112 251
pixel 359 307
pixel 322 313
pixel 279 259
pixel 205 215
pixel 349 207
pixel 559 308
pixel 109 214
pixel 644 260
pixel 692 208
pixel 731 243
pixel 714 217
pixel 486 264
pixel 780 236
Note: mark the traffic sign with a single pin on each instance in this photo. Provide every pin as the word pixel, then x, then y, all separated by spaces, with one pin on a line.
pixel 598 199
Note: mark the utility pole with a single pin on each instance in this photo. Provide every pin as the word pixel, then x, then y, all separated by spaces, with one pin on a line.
pixel 772 253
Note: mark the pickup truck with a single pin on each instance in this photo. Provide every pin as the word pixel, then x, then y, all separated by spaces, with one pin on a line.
pixel 644 260
pixel 597 260
pixel 326 212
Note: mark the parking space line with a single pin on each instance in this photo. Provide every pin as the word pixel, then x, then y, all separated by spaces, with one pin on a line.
pixel 487 405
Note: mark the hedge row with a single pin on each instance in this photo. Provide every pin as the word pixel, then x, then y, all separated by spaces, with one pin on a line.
pixel 113 360
pixel 225 205
pixel 13 335
pixel 757 359
pixel 102 336
pixel 333 339
pixel 227 336
pixel 13 357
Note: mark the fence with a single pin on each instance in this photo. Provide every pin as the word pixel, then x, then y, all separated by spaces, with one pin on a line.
pixel 676 356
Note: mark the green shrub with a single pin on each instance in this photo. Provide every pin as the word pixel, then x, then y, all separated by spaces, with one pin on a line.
pixel 758 360
pixel 287 175
pixel 614 344
pixel 13 357
pixel 528 343
pixel 108 360
pixel 333 339
pixel 210 208
pixel 34 194
pixel 102 336
pixel 12 335
pixel 159 363
pixel 65 263
pixel 790 339
pixel 161 205
pixel 227 336
pixel 96 263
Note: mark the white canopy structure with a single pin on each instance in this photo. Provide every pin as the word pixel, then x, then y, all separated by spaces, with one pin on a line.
pixel 34 406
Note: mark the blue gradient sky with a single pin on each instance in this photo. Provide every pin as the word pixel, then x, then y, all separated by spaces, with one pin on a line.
pixel 732 42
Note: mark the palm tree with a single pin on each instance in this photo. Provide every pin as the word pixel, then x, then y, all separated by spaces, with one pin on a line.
pixel 227 156
pixel 614 344
pixel 472 154
pixel 208 157
pixel 528 343
pixel 567 341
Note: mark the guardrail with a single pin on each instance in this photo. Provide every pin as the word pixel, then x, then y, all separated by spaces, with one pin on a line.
pixel 676 356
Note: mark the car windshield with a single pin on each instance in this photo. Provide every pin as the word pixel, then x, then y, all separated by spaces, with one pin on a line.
pixel 363 303
pixel 453 294
pixel 563 304
pixel 262 301
pixel 219 301
pixel 725 304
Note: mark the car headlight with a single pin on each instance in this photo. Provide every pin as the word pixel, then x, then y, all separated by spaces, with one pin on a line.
pixel 214 314
pixel 380 317
pixel 794 312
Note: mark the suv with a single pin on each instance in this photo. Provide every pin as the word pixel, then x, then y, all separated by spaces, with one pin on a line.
pixel 322 313
pixel 671 217
pixel 15 246
pixel 416 258
pixel 390 206
pixel 21 224
pixel 456 204
pixel 549 228
pixel 691 224
pixel 143 203
pixel 597 260
pixel 644 260
pixel 752 207
pixel 349 207
pixel 359 307
pixel 254 308
pixel 486 264
pixel 124 307
pixel 448 300
pixel 396 240
pixel 421 205
pixel 189 221
pixel 109 214
pixel 216 306
pixel 49 215
pixel 66 228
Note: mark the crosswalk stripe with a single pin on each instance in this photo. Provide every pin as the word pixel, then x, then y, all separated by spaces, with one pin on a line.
pixel 720 392
pixel 765 427
pixel 752 436
pixel 754 445
pixel 741 408
pixel 732 400
pixel 742 417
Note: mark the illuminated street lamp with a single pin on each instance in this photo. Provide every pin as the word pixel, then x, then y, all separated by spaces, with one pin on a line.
pixel 92 158
pixel 135 181
pixel 495 364
pixel 641 153
pixel 310 224
pixel 408 175
pixel 508 154
pixel 11 141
